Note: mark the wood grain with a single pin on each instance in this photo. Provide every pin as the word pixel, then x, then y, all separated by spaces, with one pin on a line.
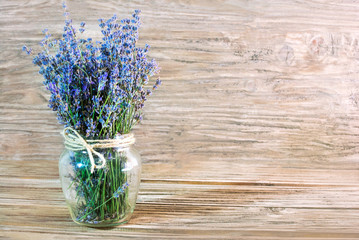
pixel 253 135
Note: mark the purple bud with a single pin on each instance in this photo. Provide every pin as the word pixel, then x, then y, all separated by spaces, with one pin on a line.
pixel 158 82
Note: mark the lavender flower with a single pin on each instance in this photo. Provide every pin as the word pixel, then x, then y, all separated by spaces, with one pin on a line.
pixel 27 50
pixel 97 87
pixel 120 190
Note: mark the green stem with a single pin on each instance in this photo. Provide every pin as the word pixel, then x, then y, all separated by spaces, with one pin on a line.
pixel 117 182
pixel 103 198
pixel 113 184
pixel 108 96
pixel 69 108
pixel 96 189
pixel 96 208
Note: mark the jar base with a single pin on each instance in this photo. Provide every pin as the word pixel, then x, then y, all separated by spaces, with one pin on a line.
pixel 101 225
pixel 106 223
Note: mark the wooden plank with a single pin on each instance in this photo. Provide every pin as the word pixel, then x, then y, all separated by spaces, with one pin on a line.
pixel 253 135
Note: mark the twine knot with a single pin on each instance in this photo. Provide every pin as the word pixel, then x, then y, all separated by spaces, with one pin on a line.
pixel 74 142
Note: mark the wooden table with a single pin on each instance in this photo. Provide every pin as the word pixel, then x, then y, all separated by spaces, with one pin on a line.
pixel 253 135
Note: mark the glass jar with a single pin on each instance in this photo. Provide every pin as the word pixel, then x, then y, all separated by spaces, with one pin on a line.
pixel 106 197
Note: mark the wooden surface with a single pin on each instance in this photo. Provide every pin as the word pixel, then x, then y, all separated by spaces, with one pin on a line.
pixel 253 135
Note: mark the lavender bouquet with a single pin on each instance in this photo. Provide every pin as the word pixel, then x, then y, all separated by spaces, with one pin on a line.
pixel 98 90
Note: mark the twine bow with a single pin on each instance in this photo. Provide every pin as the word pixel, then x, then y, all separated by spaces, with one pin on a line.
pixel 74 142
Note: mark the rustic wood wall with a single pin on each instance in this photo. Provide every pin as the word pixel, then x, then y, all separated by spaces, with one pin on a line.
pixel 254 133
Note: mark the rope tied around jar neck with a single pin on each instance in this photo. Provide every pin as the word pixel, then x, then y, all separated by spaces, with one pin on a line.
pixel 74 142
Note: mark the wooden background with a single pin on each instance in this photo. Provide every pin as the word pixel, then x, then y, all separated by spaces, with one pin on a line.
pixel 253 135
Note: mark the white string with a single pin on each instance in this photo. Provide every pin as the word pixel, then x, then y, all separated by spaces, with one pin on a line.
pixel 74 142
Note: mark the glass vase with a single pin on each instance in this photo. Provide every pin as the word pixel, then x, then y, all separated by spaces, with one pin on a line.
pixel 106 197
